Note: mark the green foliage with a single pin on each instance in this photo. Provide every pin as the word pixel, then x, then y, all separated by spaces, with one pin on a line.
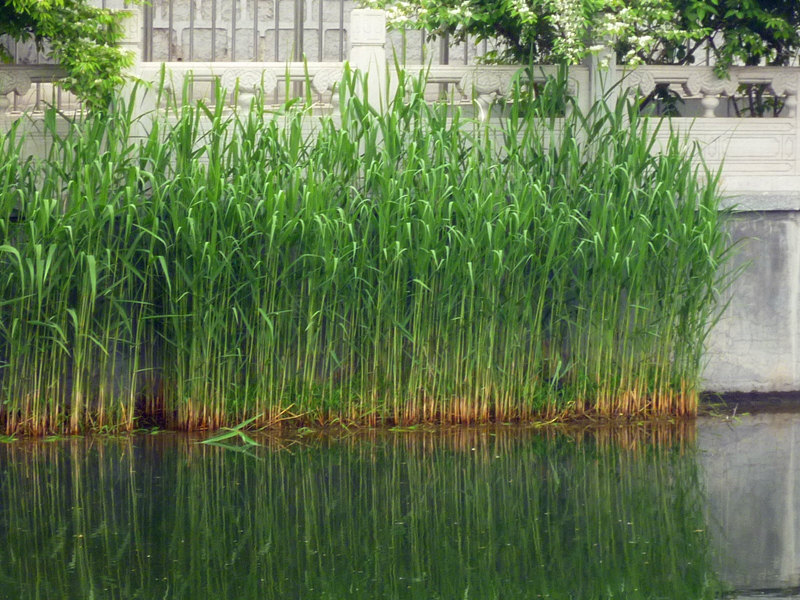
pixel 233 432
pixel 541 31
pixel 405 266
pixel 81 38
pixel 731 31
pixel 649 31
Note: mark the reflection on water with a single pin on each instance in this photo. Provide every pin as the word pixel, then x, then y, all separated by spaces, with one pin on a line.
pixel 457 515
pixel 752 478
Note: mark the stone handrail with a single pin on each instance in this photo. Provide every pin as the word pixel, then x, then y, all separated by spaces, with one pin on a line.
pixel 483 84
pixel 759 157
pixel 703 83
pixel 18 79
pixel 246 77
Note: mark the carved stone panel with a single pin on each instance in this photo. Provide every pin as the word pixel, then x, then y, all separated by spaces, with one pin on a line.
pixel 249 80
pixel 784 83
pixel 639 80
pixel 325 79
pixel 484 82
pixel 368 27
pixel 14 80
pixel 705 83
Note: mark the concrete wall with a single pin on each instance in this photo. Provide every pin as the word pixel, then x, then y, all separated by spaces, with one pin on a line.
pixel 755 346
pixel 267 30
pixel 264 30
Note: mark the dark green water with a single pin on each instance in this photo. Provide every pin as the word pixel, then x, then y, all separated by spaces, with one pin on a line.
pixel 467 514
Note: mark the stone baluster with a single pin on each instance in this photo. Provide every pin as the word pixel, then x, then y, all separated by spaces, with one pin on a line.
pixel 709 102
pixel 791 105
pixel 485 86
pixel 710 87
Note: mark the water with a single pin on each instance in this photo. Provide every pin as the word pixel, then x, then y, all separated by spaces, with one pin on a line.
pixel 751 476
pixel 645 512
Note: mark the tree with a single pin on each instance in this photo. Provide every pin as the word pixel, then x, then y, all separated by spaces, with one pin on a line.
pixel 538 30
pixel 645 31
pixel 83 39
pixel 749 32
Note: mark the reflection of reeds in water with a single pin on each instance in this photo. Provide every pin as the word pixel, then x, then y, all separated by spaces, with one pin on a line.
pixel 405 266
pixel 468 515
pixel 678 433
pixel 498 439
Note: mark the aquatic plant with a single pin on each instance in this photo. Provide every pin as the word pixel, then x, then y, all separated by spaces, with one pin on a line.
pixel 202 266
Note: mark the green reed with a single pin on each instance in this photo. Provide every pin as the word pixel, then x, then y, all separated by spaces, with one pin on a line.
pixel 483 515
pixel 403 266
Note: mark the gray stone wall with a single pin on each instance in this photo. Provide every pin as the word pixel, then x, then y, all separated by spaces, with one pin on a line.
pixel 241 30
pixel 267 31
pixel 755 346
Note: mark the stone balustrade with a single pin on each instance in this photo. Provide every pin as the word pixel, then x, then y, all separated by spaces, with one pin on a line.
pixel 703 84
pixel 246 78
pixel 756 155
pixel 18 80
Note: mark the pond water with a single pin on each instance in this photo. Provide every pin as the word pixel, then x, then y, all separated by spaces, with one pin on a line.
pixel 686 511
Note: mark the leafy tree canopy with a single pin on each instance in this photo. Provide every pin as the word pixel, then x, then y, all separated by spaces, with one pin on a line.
pixel 645 31
pixel 81 38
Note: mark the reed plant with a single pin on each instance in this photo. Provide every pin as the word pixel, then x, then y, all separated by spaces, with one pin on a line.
pixel 403 265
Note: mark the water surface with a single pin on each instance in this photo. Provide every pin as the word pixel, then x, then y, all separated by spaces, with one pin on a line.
pixel 490 513
pixel 751 476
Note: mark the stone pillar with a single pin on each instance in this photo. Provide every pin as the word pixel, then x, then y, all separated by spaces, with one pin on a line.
pixel 603 77
pixel 368 51
pixel 132 42
pixel 135 89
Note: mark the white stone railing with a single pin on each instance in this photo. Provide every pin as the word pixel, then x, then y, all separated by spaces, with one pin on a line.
pixel 483 85
pixel 702 84
pixel 366 54
pixel 16 81
pixel 757 155
pixel 245 78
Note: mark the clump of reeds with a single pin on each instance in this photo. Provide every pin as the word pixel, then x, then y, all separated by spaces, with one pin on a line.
pixel 402 265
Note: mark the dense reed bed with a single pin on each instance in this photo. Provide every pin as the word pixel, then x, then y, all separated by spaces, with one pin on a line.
pixel 511 516
pixel 399 266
